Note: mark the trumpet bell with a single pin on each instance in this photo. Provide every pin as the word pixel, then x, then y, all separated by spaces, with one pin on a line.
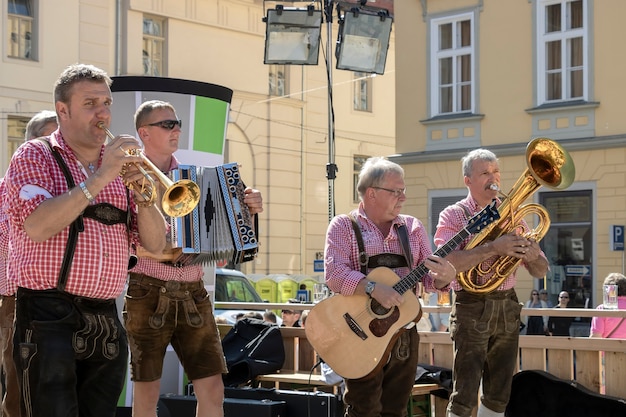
pixel 180 198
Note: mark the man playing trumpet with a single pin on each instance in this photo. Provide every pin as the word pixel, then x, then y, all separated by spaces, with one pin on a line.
pixel 484 327
pixel 72 222
pixel 167 303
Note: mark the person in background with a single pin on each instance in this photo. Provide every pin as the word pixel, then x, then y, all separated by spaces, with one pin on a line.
pixel 70 349
pixel 612 327
pixel 41 124
pixel 383 228
pixel 543 296
pixel 167 303
pixel 269 316
pixel 291 318
pixel 536 325
pixel 559 326
pixel 484 326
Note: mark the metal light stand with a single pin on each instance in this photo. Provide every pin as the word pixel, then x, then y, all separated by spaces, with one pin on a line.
pixel 331 167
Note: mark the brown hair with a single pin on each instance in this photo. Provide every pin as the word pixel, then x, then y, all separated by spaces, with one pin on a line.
pixel 76 73
pixel 617 279
pixel 146 108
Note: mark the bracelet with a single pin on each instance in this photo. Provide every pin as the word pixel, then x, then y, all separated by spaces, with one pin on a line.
pixel 85 191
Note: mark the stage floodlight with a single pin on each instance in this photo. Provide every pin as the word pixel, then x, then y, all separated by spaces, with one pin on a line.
pixel 363 40
pixel 292 36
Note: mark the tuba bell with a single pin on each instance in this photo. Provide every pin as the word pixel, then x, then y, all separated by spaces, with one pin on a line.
pixel 549 165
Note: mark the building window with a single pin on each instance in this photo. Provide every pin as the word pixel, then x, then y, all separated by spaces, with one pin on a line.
pixel 358 162
pixel 452 64
pixel 562 50
pixel 20 29
pixel 438 201
pixel 278 80
pixel 362 92
pixel 153 46
pixel 16 129
pixel 568 246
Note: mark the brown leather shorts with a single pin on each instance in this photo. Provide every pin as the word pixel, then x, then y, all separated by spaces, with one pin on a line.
pixel 158 313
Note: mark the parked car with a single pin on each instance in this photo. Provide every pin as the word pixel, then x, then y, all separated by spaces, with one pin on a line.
pixel 232 285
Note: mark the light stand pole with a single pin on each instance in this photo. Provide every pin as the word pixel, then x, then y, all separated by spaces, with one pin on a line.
pixel 331 167
pixel 293 37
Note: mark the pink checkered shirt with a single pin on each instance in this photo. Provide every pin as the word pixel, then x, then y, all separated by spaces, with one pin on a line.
pixel 100 265
pixel 6 287
pixel 164 271
pixel 341 253
pixel 452 220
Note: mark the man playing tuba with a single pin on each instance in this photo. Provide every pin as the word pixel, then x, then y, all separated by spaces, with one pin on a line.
pixel 484 326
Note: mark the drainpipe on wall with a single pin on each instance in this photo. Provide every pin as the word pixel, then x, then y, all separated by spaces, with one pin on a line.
pixel 118 37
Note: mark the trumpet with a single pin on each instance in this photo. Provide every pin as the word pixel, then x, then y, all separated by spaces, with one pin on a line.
pixel 179 198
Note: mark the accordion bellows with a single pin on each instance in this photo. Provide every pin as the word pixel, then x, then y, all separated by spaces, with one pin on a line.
pixel 220 228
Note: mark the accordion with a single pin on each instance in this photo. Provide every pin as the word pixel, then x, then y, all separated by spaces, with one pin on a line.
pixel 221 227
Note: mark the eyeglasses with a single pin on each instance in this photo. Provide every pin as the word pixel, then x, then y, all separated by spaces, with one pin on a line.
pixel 396 193
pixel 535 293
pixel 288 312
pixel 167 124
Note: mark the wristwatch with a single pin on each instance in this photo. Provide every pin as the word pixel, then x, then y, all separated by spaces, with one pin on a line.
pixel 369 288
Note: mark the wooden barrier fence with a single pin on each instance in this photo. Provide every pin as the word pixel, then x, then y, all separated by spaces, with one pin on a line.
pixel 582 359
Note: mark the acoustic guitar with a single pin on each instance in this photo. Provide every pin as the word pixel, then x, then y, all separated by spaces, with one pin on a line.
pixel 354 334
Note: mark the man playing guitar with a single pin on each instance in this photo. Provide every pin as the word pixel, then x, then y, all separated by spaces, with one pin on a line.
pixel 389 239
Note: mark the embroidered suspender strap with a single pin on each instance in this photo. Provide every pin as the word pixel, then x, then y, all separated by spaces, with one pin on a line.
pixel 616 327
pixel 363 258
pixel 76 226
pixel 404 240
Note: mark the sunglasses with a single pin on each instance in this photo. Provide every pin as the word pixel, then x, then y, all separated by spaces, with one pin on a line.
pixel 288 312
pixel 167 124
pixel 563 297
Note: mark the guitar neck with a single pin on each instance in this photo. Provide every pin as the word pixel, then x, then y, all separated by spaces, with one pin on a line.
pixel 416 275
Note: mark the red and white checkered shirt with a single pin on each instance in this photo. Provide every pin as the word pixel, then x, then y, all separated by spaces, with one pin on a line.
pixel 164 271
pixel 6 287
pixel 341 252
pixel 451 221
pixel 100 265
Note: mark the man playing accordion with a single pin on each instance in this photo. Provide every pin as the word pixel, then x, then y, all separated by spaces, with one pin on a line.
pixel 167 302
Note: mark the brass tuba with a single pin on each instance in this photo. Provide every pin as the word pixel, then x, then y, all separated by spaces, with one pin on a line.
pixel 549 165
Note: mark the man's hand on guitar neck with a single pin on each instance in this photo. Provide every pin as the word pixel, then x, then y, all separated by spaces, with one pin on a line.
pixel 442 271
pixel 384 294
